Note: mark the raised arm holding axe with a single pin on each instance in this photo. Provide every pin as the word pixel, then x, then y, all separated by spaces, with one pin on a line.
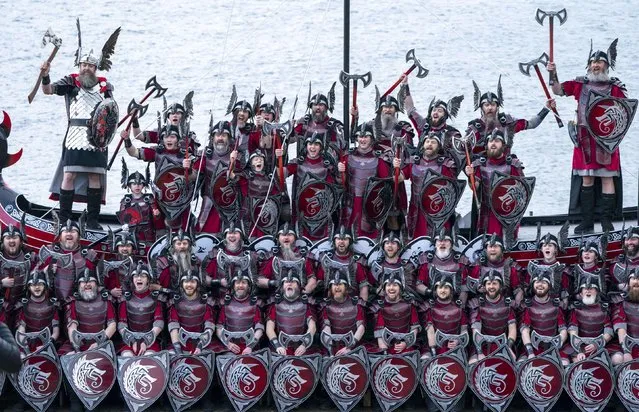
pixel 525 69
pixel 43 77
pixel 417 64
pixel 562 16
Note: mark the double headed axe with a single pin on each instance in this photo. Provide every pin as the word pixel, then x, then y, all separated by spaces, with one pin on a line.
pixel 525 69
pixel 152 86
pixel 273 128
pixel 344 78
pixel 49 37
pixel 421 72
pixel 561 16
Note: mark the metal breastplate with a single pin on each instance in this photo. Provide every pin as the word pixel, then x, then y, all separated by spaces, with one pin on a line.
pixel 212 165
pixel 591 320
pixel 360 168
pixel 91 316
pixel 140 313
pixel 291 317
pixel 488 170
pixel 191 314
pixel 316 168
pixel 258 185
pixel 447 317
pixel 80 108
pixel 448 265
pixel 603 88
pixel 64 279
pixel 311 127
pixel 38 315
pixel 397 316
pixel 239 315
pixel 494 317
pixel 144 228
pixel 418 174
pixel 543 318
pixel 632 318
pixel 343 316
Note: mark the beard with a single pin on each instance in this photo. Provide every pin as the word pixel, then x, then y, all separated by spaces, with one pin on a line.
pixel 631 251
pixel 88 295
pixel 319 116
pixel 442 254
pixel 599 77
pixel 183 260
pixel 633 295
pixel 287 253
pixel 589 300
pixel 495 153
pixel 388 122
pixel 87 80
pixel 491 121
pixel 220 148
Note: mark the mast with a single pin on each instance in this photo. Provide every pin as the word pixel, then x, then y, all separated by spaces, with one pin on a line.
pixel 347 46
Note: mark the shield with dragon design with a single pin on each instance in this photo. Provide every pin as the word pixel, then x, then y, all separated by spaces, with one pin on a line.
pixel 443 378
pixel 541 380
pixel 143 379
pixel 378 199
pixel 439 197
pixel 173 192
pixel 494 379
pixel 265 213
pixel 190 377
pixel 91 373
pixel 590 382
pixel 40 377
pixel 225 195
pixel 608 119
pixel 509 198
pixel 345 378
pixel 103 123
pixel 293 379
pixel 393 378
pixel 316 201
pixel 627 384
pixel 131 215
pixel 245 378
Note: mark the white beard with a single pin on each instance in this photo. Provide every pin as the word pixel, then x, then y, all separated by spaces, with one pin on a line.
pixel 442 254
pixel 599 77
pixel 388 123
pixel 183 260
pixel 287 253
pixel 88 295
pixel 589 300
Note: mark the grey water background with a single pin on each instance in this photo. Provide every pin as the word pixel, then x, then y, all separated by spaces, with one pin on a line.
pixel 207 46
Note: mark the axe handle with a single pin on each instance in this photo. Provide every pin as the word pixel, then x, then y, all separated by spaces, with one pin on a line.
pixel 471 177
pixel 144 99
pixel 543 85
pixel 280 160
pixel 352 116
pixel 34 91
pixel 398 153
pixel 551 45
pixel 117 148
pixel 394 86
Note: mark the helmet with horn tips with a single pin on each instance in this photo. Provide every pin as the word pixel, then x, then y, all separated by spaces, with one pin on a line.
pixel 589 280
pixel 101 61
pixel 488 97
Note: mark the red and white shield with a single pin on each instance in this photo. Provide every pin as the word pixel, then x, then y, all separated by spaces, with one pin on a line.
pixel 541 380
pixel 265 213
pixel 103 123
pixel 345 378
pixel 39 379
pixel 494 379
pixel 189 379
pixel 609 118
pixel 143 379
pixel 627 384
pixel 394 378
pixel 91 374
pixel 293 380
pixel 225 195
pixel 443 378
pixel 378 199
pixel 590 382
pixel 316 201
pixel 245 378
pixel 439 198
pixel 173 192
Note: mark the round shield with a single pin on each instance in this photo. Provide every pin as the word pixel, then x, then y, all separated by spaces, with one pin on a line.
pixel 316 201
pixel 39 377
pixel 444 378
pixel 293 379
pixel 93 374
pixel 609 118
pixel 439 198
pixel 589 383
pixel 246 378
pixel 540 380
pixel 188 377
pixel 266 214
pixel 171 188
pixel 143 378
pixel 104 123
pixel 131 215
pixel 224 194
pixel 345 378
pixel 394 379
pixel 378 199
pixel 494 380
pixel 627 384
pixel 510 197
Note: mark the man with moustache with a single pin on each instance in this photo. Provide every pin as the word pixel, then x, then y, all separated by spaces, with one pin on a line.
pixel 543 315
pixel 318 120
pixel 288 255
pixel 174 261
pixel 141 312
pixel 493 260
pixel 291 315
pixel 390 262
pixel 124 245
pixel 16 262
pixel 341 314
pixel 215 162
pixel 617 279
pixel 38 309
pixel 491 314
pixel 192 311
pixel 444 259
pixel 167 152
pixel 81 173
pixel 64 269
pixel 239 313
pixel 480 129
pixel 430 157
pixel 496 160
pixel 626 317
pixel 342 257
pixel 361 164
pixel 395 312
pixel 589 160
pixel 90 311
pixel 590 317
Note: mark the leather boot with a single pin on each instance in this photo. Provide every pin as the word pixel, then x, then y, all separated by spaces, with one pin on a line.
pixel 607 211
pixel 94 200
pixel 587 211
pixel 66 205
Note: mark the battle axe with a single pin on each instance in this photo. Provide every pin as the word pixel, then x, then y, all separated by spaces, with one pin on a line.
pixel 421 73
pixel 525 69
pixel 561 15
pixel 49 37
pixel 344 78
